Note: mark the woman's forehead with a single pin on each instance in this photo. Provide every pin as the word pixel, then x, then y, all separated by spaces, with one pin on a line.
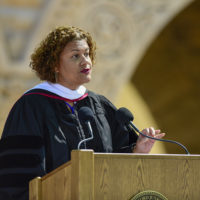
pixel 76 45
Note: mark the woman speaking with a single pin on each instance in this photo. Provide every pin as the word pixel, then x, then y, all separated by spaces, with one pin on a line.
pixel 44 126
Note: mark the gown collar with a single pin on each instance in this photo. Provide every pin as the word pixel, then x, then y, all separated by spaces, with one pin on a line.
pixel 61 90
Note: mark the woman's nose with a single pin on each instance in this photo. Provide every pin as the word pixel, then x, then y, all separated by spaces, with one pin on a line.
pixel 85 60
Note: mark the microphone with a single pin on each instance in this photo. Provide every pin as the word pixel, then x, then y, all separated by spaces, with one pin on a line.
pixel 125 117
pixel 86 115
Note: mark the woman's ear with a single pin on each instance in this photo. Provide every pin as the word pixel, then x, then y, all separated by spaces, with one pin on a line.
pixel 56 70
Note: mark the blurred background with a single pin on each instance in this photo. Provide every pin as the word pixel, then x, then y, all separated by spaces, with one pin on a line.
pixel 148 57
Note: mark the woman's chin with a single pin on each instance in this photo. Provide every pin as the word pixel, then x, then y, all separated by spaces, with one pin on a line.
pixel 88 79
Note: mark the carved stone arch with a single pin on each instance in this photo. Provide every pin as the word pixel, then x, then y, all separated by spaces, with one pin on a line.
pixel 167 77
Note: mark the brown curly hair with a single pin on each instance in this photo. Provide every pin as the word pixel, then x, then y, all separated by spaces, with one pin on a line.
pixel 46 57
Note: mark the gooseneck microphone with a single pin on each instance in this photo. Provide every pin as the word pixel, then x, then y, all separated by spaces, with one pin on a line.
pixel 86 115
pixel 125 117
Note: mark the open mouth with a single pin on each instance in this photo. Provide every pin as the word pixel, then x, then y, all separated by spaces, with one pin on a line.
pixel 86 71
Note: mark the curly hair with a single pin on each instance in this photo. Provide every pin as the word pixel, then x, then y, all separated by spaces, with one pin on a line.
pixel 46 57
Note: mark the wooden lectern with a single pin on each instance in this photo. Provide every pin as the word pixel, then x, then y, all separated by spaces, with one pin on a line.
pixel 97 176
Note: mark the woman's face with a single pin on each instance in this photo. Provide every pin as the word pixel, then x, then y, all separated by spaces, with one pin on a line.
pixel 75 65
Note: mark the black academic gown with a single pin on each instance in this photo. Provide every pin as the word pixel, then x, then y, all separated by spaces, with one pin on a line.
pixel 41 131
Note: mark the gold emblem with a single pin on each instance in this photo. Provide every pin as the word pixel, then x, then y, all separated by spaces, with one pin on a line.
pixel 149 195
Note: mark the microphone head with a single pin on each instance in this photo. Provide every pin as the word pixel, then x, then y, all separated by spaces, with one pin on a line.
pixel 123 116
pixel 85 114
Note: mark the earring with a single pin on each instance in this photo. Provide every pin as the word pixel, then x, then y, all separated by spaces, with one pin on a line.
pixel 56 76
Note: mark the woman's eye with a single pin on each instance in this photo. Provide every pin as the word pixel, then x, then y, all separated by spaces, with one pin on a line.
pixel 75 56
pixel 86 54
